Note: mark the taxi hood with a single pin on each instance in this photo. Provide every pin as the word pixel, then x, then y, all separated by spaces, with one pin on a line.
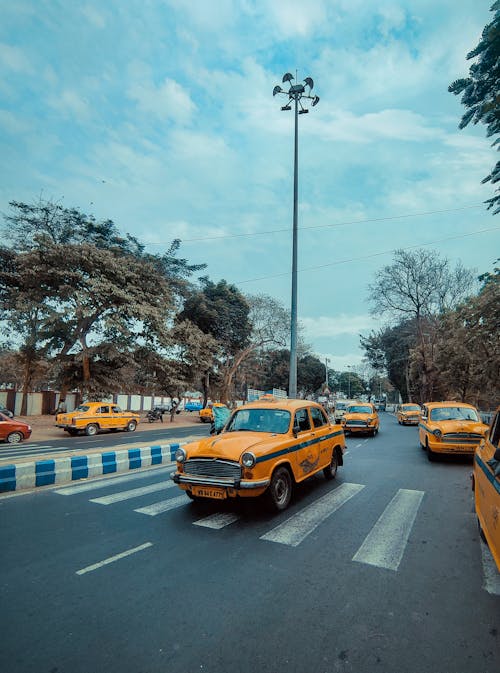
pixel 462 426
pixel 231 445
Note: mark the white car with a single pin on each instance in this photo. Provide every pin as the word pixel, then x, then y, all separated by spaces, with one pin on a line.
pixel 341 407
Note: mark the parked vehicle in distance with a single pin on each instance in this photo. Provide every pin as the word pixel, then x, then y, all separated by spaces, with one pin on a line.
pixel 361 417
pixel 206 414
pixel 380 403
pixel 408 414
pixel 486 487
pixel 450 428
pixel 93 417
pixel 340 409
pixel 13 431
pixel 6 412
pixel 265 448
pixel 193 406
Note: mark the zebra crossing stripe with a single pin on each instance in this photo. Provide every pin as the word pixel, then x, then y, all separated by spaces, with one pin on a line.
pixel 217 521
pixel 385 544
pixel 295 529
pixel 132 493
pixel 163 506
pixel 106 483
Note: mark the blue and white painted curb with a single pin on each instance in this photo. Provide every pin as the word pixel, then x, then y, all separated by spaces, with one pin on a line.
pixel 16 477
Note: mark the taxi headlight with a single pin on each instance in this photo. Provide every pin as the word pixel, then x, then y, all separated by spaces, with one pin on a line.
pixel 248 459
pixel 437 433
pixel 180 455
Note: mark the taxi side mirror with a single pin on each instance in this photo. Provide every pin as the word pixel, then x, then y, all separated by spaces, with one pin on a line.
pixel 423 417
pixel 296 430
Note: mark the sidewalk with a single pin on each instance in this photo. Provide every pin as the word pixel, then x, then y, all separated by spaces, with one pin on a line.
pixel 68 466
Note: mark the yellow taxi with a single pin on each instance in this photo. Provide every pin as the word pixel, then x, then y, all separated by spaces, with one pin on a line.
pixel 486 487
pixel 408 414
pixel 93 417
pixel 361 417
pixel 265 448
pixel 206 414
pixel 450 428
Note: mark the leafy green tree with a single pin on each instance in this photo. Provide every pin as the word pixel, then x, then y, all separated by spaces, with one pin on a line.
pixel 481 91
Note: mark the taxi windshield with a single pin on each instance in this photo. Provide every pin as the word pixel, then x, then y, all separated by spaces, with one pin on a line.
pixel 260 420
pixel 411 407
pixel 454 414
pixel 359 410
pixel 341 405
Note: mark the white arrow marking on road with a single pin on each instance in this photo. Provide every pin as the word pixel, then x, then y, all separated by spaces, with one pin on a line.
pixel 295 529
pixel 132 493
pixel 385 544
pixel 111 559
pixel 163 506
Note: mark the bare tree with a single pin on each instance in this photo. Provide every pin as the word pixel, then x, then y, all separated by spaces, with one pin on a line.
pixel 420 285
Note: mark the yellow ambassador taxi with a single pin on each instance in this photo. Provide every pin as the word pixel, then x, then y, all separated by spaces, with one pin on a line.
pixel 361 417
pixel 486 487
pixel 93 417
pixel 265 448
pixel 450 428
pixel 206 414
pixel 408 414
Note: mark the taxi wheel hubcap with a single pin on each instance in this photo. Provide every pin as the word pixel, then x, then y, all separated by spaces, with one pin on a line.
pixel 281 488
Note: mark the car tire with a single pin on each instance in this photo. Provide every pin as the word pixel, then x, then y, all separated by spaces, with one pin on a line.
pixel 131 426
pixel 375 432
pixel 91 430
pixel 481 532
pixel 330 471
pixel 279 491
pixel 15 437
pixel 72 433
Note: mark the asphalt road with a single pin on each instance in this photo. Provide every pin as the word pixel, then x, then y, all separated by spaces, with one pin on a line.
pixel 159 434
pixel 380 570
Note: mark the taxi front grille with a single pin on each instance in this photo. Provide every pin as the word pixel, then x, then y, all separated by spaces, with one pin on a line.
pixel 354 422
pixel 462 437
pixel 212 467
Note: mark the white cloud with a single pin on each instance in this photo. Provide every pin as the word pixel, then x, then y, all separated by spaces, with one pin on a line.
pixel 14 58
pixel 328 326
pixel 70 103
pixel 93 16
pixel 169 100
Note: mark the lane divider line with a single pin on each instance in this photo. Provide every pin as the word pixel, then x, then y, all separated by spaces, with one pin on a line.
pixel 217 521
pixel 112 559
pixel 132 493
pixel 106 483
pixel 163 506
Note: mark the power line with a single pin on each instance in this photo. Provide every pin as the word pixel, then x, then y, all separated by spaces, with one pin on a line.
pixel 375 254
pixel 321 226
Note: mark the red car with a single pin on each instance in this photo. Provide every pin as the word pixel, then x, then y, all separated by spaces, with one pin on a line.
pixel 13 431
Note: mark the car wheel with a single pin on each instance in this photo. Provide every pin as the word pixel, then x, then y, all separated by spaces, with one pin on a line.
pixel 15 437
pixel 72 433
pixel 279 491
pixel 375 432
pixel 131 426
pixel 330 472
pixel 91 430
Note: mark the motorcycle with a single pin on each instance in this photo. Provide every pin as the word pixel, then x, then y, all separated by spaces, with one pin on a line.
pixel 155 415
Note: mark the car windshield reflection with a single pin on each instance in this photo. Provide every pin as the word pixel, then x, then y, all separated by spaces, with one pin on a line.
pixel 359 410
pixel 454 414
pixel 276 421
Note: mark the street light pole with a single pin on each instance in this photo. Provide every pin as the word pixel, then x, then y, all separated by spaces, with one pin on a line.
pixel 297 93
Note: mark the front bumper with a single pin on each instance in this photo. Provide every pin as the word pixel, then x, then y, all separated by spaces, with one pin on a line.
pixel 238 484
pixel 446 447
pixel 410 421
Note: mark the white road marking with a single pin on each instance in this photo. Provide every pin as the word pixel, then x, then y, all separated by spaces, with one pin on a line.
pixel 132 493
pixel 110 481
pixel 345 453
pixel 112 559
pixel 163 506
pixel 490 572
pixel 385 544
pixel 217 521
pixel 295 529
pixel 358 445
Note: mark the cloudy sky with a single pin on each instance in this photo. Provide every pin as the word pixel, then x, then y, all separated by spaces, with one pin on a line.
pixel 160 116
